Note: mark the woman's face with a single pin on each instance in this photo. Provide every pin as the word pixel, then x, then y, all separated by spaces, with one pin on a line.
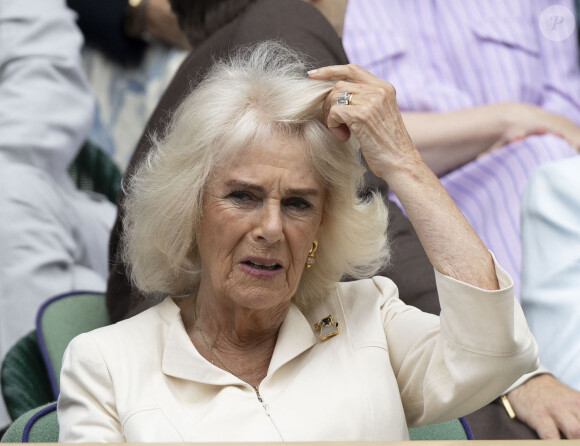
pixel 261 214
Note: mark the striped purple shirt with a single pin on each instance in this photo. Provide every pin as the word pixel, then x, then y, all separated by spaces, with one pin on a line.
pixel 444 55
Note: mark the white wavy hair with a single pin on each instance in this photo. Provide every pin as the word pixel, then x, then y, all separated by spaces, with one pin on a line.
pixel 260 91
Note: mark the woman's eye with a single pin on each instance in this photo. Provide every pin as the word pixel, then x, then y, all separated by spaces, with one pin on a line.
pixel 244 198
pixel 239 195
pixel 298 203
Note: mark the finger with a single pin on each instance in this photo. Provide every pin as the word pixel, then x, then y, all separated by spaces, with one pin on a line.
pixel 358 94
pixel 341 132
pixel 540 130
pixel 354 90
pixel 337 124
pixel 569 425
pixel 546 428
pixel 368 110
pixel 350 72
pixel 338 119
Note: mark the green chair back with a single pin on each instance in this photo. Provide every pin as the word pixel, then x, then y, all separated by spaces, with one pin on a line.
pixel 456 429
pixel 30 371
pixel 23 377
pixel 62 318
pixel 93 169
pixel 39 425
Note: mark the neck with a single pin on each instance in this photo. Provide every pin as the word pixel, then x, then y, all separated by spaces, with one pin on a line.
pixel 238 340
pixel 241 326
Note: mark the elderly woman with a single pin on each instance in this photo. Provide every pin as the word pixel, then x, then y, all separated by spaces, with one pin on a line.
pixel 246 216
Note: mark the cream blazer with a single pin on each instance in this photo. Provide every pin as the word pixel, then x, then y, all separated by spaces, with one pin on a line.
pixel 142 380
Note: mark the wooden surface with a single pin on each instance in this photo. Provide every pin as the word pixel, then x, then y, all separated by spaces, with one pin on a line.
pixel 386 443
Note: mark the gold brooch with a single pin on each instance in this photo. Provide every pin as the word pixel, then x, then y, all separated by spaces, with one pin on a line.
pixel 328 328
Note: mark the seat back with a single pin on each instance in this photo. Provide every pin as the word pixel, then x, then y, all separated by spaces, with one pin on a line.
pixel 456 429
pixel 39 425
pixel 60 319
pixel 93 169
pixel 23 377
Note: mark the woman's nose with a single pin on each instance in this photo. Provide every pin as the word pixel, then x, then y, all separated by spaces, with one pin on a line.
pixel 269 226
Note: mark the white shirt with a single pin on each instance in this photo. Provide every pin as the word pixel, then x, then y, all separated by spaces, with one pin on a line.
pixel 551 266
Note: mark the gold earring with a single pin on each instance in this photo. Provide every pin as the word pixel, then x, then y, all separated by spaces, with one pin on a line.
pixel 310 259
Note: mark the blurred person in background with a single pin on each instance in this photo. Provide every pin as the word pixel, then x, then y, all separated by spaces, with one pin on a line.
pixel 53 238
pixel 551 265
pixel 132 49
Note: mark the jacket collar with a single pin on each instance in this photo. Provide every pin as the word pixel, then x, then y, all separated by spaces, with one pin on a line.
pixel 182 360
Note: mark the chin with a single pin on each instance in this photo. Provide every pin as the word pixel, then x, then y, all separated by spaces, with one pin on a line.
pixel 258 298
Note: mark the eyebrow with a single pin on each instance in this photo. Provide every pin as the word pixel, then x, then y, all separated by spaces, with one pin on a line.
pixel 301 192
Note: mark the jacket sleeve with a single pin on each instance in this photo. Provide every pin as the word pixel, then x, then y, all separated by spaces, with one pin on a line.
pixel 451 366
pixel 86 404
pixel 46 105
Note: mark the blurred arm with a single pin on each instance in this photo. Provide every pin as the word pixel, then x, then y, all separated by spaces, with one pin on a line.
pixel 47 106
pixel 447 140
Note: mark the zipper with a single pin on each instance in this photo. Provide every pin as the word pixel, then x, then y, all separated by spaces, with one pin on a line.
pixel 257 390
pixel 267 410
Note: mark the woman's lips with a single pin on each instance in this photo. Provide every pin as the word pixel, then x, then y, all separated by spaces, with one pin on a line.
pixel 261 267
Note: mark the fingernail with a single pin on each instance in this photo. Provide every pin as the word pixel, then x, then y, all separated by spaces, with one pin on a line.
pixel 313 71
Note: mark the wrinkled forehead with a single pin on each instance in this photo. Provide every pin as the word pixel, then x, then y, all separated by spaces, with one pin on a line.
pixel 318 147
pixel 270 158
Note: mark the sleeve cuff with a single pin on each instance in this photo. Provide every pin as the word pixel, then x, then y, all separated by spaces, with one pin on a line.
pixel 542 369
pixel 504 279
pixel 488 322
